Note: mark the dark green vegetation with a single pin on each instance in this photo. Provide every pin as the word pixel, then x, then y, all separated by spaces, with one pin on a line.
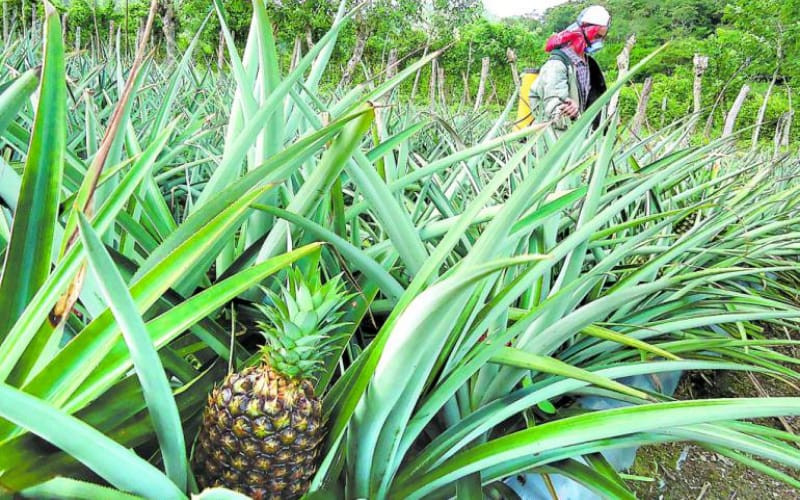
pixel 496 277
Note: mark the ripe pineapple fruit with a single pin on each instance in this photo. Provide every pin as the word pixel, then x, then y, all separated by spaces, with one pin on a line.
pixel 262 426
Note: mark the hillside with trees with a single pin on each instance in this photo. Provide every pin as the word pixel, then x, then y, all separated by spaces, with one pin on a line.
pixel 752 43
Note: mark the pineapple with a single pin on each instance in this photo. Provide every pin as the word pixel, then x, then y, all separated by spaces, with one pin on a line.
pixel 684 225
pixel 262 426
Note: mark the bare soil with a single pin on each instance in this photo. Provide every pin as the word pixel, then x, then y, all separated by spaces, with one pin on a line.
pixel 683 471
pixel 687 471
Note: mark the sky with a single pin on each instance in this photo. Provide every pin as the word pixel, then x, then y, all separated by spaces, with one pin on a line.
pixel 505 8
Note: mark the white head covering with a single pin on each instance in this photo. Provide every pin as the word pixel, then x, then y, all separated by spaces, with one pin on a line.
pixel 596 15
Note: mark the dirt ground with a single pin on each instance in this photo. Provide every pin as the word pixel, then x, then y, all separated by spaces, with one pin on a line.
pixel 684 471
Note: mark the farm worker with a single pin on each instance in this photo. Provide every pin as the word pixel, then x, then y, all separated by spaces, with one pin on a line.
pixel 571 80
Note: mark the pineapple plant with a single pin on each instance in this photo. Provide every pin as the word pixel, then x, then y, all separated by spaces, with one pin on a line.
pixel 262 426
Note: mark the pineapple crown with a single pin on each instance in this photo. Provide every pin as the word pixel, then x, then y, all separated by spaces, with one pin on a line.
pixel 299 323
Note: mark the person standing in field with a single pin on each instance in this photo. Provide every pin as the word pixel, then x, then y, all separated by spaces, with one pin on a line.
pixel 571 80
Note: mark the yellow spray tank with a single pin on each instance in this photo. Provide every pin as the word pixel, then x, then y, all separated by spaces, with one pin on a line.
pixel 524 114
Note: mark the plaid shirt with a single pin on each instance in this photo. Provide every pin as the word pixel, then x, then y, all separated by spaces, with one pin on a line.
pixel 582 72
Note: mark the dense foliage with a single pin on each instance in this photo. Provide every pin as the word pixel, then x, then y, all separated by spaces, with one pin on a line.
pixel 497 280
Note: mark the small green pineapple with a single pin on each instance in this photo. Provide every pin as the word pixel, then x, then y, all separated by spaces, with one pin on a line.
pixel 262 426
pixel 684 225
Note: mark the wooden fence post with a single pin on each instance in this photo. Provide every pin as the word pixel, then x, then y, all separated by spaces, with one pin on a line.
pixel 710 120
pixel 730 120
pixel 482 85
pixel 763 110
pixel 440 84
pixel 168 27
pixel 623 63
pixel 465 96
pixel 6 25
pixel 391 65
pixel 432 83
pixel 641 109
pixel 511 57
pixel 700 67
pixel 352 63
pixel 309 38
pixel 221 51
pixel 777 141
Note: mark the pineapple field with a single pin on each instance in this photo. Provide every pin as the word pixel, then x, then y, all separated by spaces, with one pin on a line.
pixel 240 284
